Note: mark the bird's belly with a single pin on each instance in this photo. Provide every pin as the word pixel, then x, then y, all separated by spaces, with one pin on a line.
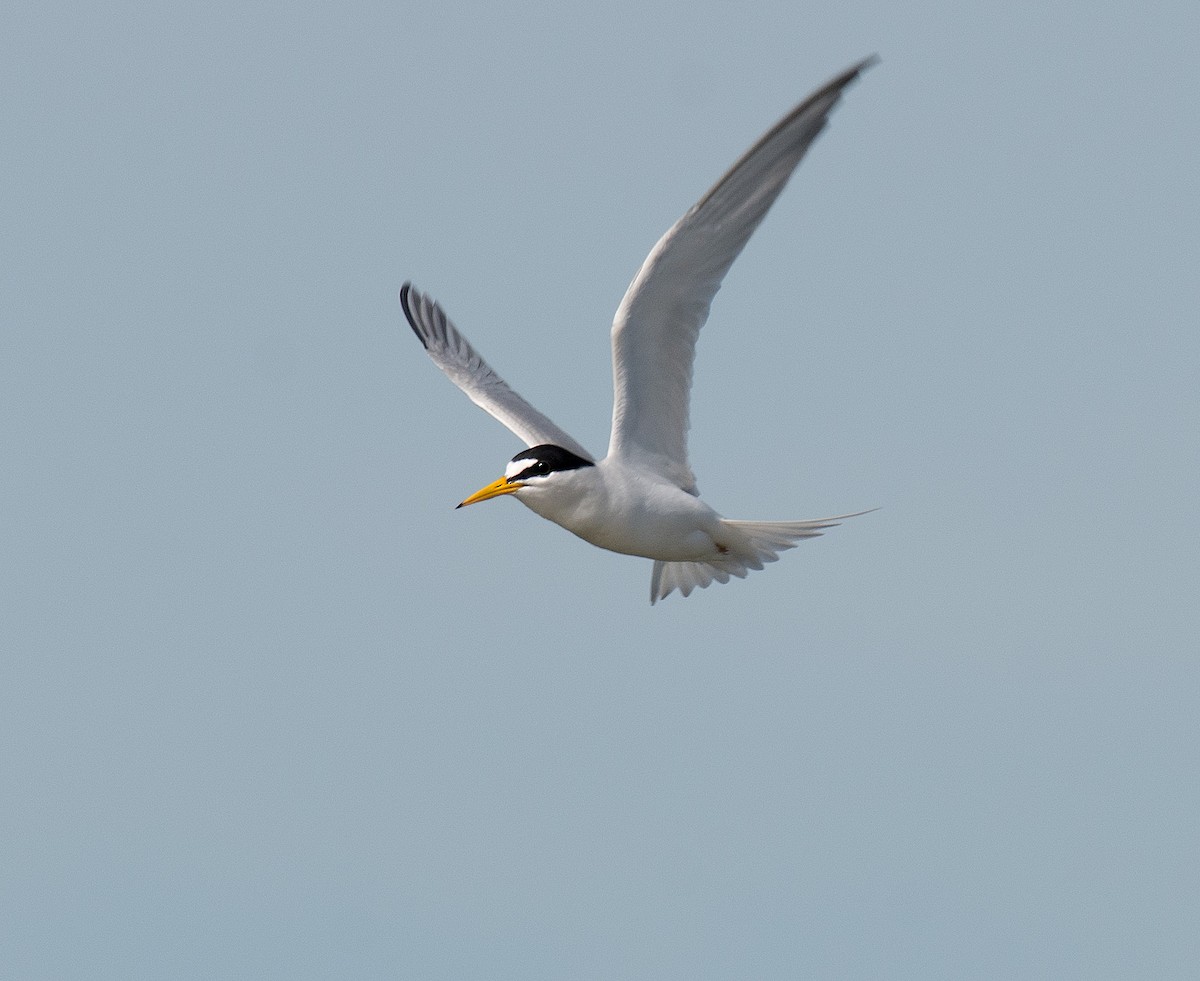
pixel 655 541
pixel 669 524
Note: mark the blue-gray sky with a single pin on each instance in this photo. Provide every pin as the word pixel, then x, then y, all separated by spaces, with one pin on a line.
pixel 271 708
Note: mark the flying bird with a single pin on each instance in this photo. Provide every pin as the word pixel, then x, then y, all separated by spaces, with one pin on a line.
pixel 641 499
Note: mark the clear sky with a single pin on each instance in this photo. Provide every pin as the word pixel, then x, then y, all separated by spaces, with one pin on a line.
pixel 271 708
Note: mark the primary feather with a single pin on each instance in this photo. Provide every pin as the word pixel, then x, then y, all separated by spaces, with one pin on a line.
pixel 465 367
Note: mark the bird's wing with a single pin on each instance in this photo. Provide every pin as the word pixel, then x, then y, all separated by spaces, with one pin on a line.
pixel 452 353
pixel 655 329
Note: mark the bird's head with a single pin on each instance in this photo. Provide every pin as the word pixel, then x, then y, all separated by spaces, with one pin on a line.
pixel 537 468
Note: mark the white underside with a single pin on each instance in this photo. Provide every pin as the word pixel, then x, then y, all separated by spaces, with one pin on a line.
pixel 632 510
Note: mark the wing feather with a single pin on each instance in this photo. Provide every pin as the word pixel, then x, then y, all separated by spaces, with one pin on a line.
pixel 656 326
pixel 463 365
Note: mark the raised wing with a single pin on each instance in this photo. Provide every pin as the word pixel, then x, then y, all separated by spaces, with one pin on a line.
pixel 655 329
pixel 452 353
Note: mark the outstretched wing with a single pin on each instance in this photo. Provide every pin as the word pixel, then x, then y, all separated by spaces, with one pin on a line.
pixel 462 364
pixel 655 329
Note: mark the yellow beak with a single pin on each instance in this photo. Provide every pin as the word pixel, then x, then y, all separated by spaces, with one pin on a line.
pixel 495 489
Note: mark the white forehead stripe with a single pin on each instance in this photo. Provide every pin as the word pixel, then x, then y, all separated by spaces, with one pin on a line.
pixel 516 466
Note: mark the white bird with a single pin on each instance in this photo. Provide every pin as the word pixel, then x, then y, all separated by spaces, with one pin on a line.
pixel 641 499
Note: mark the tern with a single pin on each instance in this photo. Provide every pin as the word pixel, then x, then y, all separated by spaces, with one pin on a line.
pixel 641 499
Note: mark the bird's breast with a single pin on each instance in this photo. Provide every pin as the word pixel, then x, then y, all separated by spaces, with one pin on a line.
pixel 625 511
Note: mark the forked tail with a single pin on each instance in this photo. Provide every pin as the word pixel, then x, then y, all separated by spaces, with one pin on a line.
pixel 753 544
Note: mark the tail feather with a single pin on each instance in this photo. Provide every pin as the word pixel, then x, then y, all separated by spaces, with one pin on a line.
pixel 753 544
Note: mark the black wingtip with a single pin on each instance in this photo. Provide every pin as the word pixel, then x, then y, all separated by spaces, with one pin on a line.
pixel 852 73
pixel 405 305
